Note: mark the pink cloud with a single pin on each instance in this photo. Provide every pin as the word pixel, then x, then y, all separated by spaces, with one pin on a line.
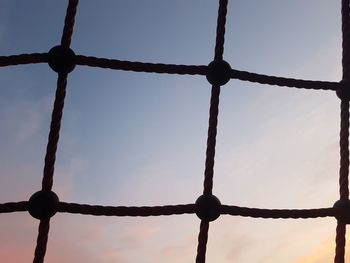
pixel 18 237
pixel 183 250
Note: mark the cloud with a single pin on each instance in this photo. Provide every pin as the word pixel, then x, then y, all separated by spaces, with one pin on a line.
pixel 324 253
pixel 23 119
pixel 22 144
pixel 182 251
pixel 17 232
pixel 287 148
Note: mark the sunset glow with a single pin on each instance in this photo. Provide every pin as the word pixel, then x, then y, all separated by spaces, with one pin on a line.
pixel 133 139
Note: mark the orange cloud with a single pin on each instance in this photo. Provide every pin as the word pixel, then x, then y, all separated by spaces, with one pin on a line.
pixel 320 254
pixel 324 253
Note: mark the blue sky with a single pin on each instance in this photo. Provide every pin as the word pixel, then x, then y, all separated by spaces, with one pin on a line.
pixel 139 139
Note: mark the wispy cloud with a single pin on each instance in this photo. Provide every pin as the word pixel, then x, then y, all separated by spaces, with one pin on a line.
pixel 22 119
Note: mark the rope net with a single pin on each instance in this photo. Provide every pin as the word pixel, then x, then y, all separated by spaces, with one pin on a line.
pixel 44 204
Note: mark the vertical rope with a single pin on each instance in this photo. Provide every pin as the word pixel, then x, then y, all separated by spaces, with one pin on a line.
pixel 220 30
pixel 212 130
pixel 55 126
pixel 51 149
pixel 344 132
pixel 344 151
pixel 340 243
pixel 202 242
pixel 69 23
pixel 214 102
pixel 41 244
pixel 343 178
pixel 211 141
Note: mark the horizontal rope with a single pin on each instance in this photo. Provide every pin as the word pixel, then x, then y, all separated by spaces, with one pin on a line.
pixel 98 210
pixel 285 82
pixel 277 213
pixel 140 66
pixel 171 69
pixel 14 207
pixel 23 59
pixel 202 70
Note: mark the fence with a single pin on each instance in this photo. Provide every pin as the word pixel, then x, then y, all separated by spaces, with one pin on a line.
pixel 44 204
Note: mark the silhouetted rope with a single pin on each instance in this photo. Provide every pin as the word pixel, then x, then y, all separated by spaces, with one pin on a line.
pixel 340 243
pixel 344 131
pixel 140 66
pixel 345 14
pixel 51 149
pixel 220 30
pixel 14 207
pixel 69 23
pixel 171 69
pixel 284 82
pixel 143 211
pixel 277 213
pixel 202 242
pixel 344 151
pixel 212 130
pixel 214 102
pixel 23 59
pixel 97 210
pixel 211 141
pixel 41 242
pixel 54 133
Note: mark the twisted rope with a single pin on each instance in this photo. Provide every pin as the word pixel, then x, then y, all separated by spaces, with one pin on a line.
pixel 202 70
pixel 140 66
pixel 69 23
pixel 211 140
pixel 345 13
pixel 55 126
pixel 171 69
pixel 14 207
pixel 284 82
pixel 344 151
pixel 202 242
pixel 277 213
pixel 340 243
pixel 23 59
pixel 97 210
pixel 41 242
pixel 344 132
pixel 220 30
pixel 212 130
pixel 214 102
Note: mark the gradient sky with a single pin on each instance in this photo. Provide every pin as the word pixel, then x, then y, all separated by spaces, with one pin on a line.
pixel 139 139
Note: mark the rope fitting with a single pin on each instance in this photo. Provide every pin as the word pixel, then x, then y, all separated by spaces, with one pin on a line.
pixel 61 60
pixel 342 211
pixel 219 72
pixel 343 92
pixel 208 207
pixel 43 204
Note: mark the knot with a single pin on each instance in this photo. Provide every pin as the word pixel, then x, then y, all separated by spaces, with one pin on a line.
pixel 208 207
pixel 43 204
pixel 343 92
pixel 219 72
pixel 342 211
pixel 61 60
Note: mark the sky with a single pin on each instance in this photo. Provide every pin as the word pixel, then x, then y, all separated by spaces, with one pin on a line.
pixel 139 138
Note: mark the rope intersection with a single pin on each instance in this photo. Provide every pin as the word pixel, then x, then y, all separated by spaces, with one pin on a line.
pixel 45 203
